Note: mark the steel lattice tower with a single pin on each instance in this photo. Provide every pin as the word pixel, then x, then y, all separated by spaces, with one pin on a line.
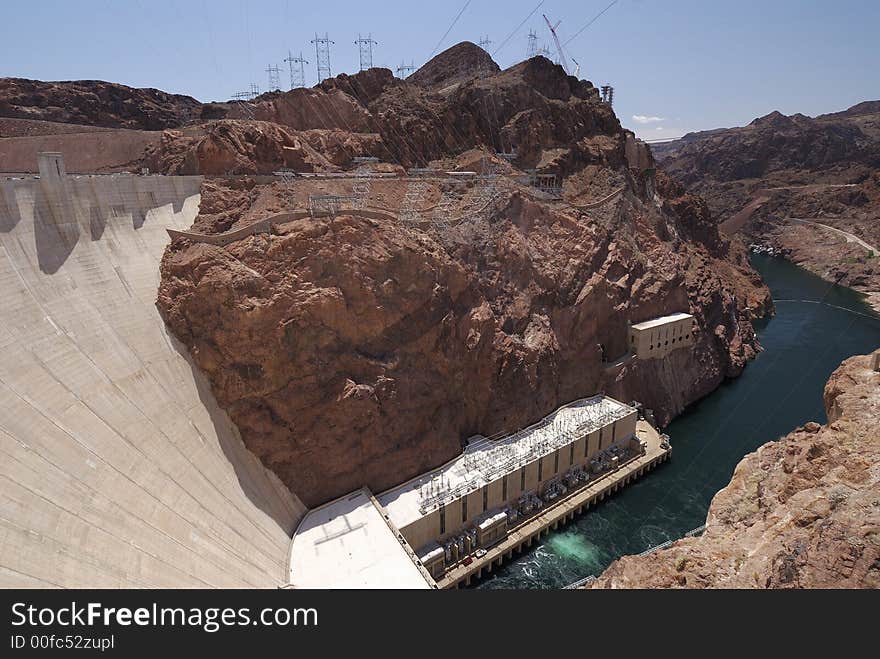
pixel 274 77
pixel 322 55
pixel 485 42
pixel 405 70
pixel 533 45
pixel 297 73
pixel 366 48
pixel 607 94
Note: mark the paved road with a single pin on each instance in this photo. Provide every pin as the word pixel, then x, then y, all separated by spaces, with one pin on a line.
pixel 815 186
pixel 850 238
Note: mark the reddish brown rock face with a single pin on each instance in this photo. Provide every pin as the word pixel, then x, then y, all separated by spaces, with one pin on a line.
pixel 825 170
pixel 360 350
pixel 803 512
pixel 353 351
pixel 96 103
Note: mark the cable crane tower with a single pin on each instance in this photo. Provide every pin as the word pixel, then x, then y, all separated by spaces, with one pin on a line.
pixel 559 49
pixel 322 55
pixel 297 74
pixel 366 50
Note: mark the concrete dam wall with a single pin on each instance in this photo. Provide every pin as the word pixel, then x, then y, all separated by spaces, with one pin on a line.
pixel 118 468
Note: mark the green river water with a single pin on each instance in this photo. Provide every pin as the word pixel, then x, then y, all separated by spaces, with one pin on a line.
pixel 817 325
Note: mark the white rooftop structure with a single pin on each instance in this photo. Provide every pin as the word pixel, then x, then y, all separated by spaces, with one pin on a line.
pixel 348 544
pixel 663 320
pixel 486 460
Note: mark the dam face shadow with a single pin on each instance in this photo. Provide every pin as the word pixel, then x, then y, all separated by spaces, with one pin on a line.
pixel 54 237
pixel 237 453
pixel 9 213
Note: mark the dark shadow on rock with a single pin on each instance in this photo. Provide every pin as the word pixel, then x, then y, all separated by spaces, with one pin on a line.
pixel 287 517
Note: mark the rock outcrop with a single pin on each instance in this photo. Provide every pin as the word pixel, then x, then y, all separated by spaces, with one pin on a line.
pixel 359 349
pixel 230 146
pixel 801 512
pixel 556 121
pixel 462 62
pixel 96 103
pixel 825 170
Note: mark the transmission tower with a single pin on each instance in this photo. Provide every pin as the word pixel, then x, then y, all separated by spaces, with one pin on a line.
pixel 533 45
pixel 485 42
pixel 366 48
pixel 255 90
pixel 244 98
pixel 297 70
pixel 274 77
pixel 406 70
pixel 322 55
pixel 607 94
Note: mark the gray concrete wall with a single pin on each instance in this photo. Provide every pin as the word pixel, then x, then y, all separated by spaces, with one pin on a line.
pixel 118 469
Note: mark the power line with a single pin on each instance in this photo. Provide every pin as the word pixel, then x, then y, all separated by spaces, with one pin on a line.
pixel 510 36
pixel 595 18
pixel 445 34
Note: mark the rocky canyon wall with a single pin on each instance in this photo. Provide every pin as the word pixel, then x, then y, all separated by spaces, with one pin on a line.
pixel 801 512
pixel 354 351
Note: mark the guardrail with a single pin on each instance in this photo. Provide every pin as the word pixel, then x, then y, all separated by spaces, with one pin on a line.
pixel 580 583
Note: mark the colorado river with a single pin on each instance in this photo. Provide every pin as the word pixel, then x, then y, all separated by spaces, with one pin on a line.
pixel 817 325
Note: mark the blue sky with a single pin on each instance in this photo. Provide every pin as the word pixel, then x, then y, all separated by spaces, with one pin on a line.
pixel 676 65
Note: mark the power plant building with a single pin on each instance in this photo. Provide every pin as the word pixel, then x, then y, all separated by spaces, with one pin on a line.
pixel 472 501
pixel 655 339
pixel 410 535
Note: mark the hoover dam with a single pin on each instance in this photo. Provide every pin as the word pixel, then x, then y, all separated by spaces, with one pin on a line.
pixel 119 469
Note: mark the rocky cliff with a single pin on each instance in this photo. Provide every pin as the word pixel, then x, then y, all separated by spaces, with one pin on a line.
pixel 552 119
pixel 364 348
pixel 825 170
pixel 95 103
pixel 801 512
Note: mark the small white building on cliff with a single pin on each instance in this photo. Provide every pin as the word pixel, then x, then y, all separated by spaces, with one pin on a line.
pixel 654 339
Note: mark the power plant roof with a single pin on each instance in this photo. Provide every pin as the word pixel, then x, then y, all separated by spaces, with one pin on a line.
pixel 486 460
pixel 663 320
